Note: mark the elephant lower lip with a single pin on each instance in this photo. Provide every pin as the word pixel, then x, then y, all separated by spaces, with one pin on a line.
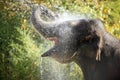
pixel 43 55
pixel 54 39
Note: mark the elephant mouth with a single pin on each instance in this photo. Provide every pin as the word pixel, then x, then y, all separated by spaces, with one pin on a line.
pixel 51 50
pixel 53 39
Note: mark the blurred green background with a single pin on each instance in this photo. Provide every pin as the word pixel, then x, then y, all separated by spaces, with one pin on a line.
pixel 21 46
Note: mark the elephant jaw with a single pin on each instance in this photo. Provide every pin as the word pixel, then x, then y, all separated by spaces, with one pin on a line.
pixel 57 52
pixel 56 56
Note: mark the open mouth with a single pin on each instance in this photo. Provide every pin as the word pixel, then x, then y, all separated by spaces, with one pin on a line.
pixel 54 39
pixel 52 50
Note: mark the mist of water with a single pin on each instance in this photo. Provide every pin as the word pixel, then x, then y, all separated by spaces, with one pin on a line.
pixel 70 16
pixel 51 69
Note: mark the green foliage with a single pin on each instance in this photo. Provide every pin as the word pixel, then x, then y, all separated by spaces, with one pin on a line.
pixel 7 34
pixel 25 57
pixel 19 54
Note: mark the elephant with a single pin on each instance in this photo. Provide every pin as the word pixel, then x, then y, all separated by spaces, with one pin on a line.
pixel 83 41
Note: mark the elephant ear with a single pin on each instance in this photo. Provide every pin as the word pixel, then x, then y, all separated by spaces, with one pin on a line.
pixel 97 32
pixel 99 45
pixel 90 34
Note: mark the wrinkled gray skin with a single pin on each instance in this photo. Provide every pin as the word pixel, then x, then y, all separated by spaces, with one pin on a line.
pixel 83 41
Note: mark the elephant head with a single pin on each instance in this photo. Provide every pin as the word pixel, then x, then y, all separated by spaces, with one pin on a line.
pixel 69 36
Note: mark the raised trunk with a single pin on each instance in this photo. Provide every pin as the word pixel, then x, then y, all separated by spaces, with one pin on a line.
pixel 47 29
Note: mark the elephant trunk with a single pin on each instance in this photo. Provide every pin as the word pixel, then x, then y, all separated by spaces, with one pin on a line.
pixel 47 29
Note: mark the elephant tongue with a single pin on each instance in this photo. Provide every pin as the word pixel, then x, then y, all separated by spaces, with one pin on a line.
pixel 55 39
